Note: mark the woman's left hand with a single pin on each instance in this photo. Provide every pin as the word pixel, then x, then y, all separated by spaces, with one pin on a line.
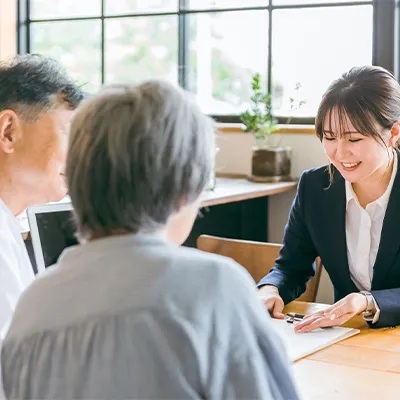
pixel 337 314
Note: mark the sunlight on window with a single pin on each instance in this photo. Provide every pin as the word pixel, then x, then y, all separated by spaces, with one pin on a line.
pixel 314 47
pixel 226 48
pixel 300 2
pixel 140 6
pixel 75 44
pixel 205 4
pixel 310 46
pixel 141 48
pixel 43 9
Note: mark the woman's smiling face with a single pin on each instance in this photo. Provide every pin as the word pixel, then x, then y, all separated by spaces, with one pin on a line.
pixel 356 156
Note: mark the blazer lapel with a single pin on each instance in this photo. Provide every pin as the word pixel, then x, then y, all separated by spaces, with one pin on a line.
pixel 390 237
pixel 334 222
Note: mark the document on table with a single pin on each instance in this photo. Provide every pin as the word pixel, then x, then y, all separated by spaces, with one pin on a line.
pixel 299 345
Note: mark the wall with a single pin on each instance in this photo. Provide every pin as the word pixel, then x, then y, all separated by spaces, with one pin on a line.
pixel 8 29
pixel 234 156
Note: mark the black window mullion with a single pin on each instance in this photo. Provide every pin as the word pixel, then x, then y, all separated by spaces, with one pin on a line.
pixel 183 45
pixel 23 27
pixel 397 42
pixel 269 76
pixel 384 42
pixel 102 42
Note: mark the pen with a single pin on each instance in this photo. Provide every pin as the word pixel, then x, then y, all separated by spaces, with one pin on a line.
pixel 292 317
pixel 295 315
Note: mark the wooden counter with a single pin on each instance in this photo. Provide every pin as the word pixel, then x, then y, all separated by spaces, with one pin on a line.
pixel 228 190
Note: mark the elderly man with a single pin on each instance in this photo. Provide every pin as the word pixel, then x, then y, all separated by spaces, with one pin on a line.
pixel 37 101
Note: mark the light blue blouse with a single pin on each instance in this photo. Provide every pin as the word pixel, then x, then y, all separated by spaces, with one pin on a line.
pixel 134 317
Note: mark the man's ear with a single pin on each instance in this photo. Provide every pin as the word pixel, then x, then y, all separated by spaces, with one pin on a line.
pixel 395 133
pixel 9 124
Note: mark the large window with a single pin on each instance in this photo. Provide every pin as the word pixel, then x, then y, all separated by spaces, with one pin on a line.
pixel 211 47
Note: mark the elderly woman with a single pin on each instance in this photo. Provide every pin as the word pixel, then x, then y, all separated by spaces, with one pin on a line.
pixel 129 314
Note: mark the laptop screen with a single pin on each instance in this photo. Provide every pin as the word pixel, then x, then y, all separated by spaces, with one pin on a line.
pixel 52 230
pixel 56 232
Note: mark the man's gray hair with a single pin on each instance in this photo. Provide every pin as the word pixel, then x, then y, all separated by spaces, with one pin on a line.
pixel 32 85
pixel 137 153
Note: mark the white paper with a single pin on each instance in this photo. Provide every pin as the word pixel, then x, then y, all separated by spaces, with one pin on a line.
pixel 299 345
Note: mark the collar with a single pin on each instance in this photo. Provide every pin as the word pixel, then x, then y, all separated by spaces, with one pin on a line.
pixel 384 199
pixel 4 207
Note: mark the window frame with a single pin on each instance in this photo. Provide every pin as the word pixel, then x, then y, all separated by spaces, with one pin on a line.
pixel 385 47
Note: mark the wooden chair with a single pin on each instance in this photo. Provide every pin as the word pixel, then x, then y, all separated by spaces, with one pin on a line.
pixel 257 257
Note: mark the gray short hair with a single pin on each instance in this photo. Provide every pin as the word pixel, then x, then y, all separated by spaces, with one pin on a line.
pixel 136 154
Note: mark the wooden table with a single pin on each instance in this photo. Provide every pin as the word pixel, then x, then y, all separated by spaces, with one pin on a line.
pixel 365 366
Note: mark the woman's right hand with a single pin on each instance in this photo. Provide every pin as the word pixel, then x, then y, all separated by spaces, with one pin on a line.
pixel 272 301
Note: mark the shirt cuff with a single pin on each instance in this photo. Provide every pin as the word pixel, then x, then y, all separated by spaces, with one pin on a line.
pixel 373 316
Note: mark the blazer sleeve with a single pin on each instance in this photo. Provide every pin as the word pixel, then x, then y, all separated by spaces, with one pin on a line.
pixel 296 262
pixel 388 301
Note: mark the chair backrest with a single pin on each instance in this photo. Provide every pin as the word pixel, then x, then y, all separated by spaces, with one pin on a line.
pixel 257 257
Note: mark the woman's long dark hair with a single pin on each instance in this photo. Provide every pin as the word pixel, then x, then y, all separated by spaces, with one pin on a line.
pixel 368 96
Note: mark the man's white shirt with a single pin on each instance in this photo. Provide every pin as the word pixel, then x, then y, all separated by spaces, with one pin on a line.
pixel 16 271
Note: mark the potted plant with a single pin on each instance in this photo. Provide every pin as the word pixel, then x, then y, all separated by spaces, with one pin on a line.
pixel 270 162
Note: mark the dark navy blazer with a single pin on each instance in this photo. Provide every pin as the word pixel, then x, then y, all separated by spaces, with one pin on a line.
pixel 317 227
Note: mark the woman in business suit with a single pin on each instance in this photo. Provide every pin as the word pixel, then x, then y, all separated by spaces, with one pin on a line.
pixel 347 212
